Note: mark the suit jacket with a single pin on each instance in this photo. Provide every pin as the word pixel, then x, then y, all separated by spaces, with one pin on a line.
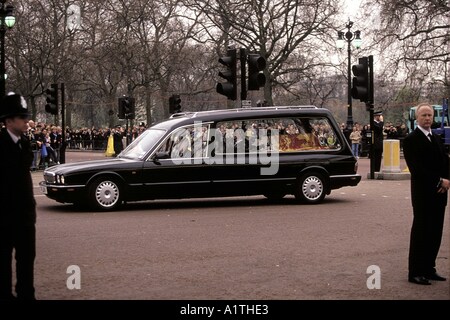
pixel 428 162
pixel 17 203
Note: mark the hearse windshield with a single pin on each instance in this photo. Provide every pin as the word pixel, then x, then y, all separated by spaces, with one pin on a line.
pixel 142 144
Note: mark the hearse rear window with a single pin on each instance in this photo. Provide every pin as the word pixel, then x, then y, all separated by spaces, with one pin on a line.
pixel 300 134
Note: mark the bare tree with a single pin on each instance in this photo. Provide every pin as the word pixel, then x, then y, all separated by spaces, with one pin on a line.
pixel 152 48
pixel 162 58
pixel 288 33
pixel 415 36
pixel 42 47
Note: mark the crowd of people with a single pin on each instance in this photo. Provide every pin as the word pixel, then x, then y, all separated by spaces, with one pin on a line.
pixel 360 136
pixel 46 140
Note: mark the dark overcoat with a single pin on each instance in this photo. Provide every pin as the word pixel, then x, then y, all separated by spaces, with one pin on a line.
pixel 17 203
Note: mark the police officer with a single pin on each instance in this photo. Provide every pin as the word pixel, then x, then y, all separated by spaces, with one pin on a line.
pixel 378 125
pixel 18 206
pixel 118 139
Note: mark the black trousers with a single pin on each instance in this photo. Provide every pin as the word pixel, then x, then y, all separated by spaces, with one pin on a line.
pixel 426 236
pixel 377 157
pixel 22 241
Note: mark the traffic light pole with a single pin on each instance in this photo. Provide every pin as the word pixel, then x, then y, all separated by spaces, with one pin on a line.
pixel 243 57
pixel 126 132
pixel 370 106
pixel 363 90
pixel 62 148
pixel 349 91
pixel 372 139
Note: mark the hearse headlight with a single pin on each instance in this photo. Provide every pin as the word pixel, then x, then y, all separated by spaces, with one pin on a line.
pixel 60 178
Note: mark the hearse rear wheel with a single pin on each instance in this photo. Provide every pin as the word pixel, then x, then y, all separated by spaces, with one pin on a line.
pixel 310 188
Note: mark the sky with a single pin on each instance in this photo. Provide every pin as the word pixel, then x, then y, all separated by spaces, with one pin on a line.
pixel 351 9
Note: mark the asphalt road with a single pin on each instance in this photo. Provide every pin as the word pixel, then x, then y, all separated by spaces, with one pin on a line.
pixel 235 248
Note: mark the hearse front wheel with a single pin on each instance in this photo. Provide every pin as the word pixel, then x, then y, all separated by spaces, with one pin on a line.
pixel 105 194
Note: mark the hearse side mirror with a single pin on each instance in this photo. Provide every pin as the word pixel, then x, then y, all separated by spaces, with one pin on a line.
pixel 160 155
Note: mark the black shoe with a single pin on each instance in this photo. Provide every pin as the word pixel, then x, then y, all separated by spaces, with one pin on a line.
pixel 8 297
pixel 435 277
pixel 419 280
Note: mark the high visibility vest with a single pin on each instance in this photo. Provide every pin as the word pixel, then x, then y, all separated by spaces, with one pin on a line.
pixel 110 148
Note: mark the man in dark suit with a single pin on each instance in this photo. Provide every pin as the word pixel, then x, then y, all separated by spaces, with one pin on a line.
pixel 378 126
pixel 18 206
pixel 429 167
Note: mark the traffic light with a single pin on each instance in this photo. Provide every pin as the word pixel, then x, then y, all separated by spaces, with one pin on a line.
pixel 361 86
pixel 256 78
pixel 126 108
pixel 52 99
pixel 229 88
pixel 174 104
pixel 131 107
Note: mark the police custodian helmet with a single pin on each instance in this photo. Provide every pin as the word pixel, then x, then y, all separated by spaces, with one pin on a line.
pixel 13 105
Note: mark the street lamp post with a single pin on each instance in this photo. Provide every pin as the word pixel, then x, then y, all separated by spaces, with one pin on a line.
pixel 349 37
pixel 7 21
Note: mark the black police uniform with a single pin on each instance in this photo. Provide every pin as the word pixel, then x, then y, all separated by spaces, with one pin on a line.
pixel 118 144
pixel 17 215
pixel 378 144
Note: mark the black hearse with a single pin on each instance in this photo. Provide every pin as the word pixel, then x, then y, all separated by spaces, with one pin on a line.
pixel 270 151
